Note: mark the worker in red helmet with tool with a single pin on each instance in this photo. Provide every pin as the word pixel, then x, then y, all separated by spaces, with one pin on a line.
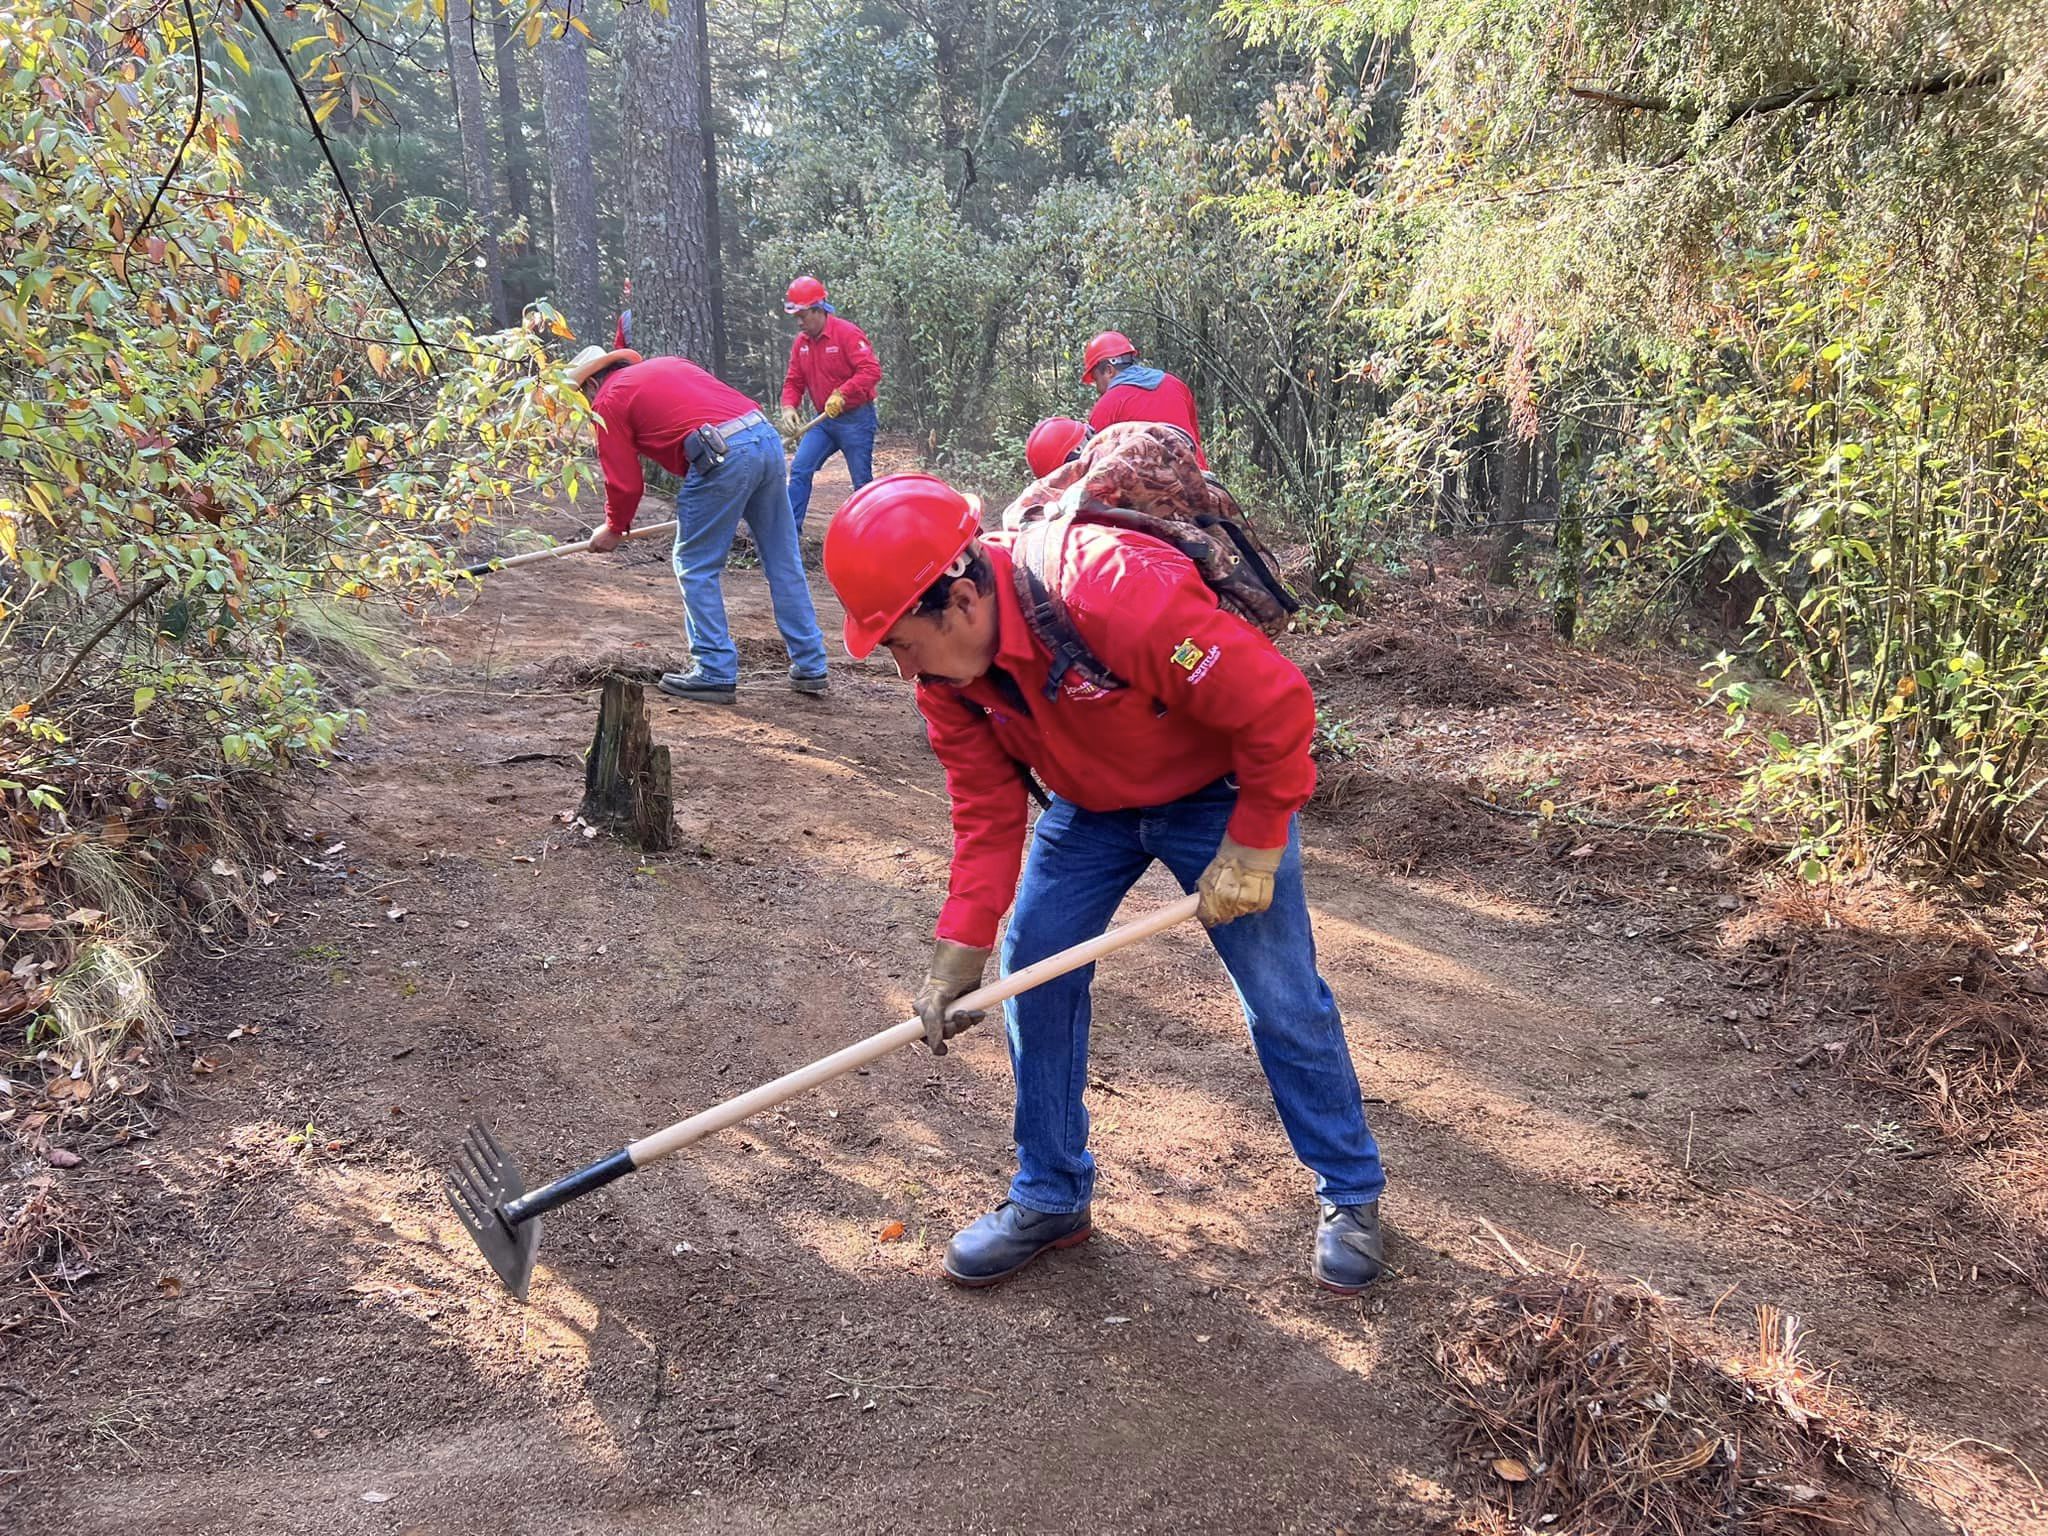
pixel 830 360
pixel 1128 390
pixel 1184 740
pixel 730 459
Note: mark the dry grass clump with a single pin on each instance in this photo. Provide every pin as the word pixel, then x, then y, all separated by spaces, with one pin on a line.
pixel 641 663
pixel 2006 1183
pixel 1598 1412
pixel 46 1248
pixel 1947 1019
pixel 1960 1032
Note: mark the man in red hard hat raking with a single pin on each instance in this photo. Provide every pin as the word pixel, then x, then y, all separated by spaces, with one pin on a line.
pixel 830 360
pixel 1186 740
pixel 730 461
pixel 1128 390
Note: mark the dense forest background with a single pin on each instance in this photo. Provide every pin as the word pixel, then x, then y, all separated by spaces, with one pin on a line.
pixel 1722 326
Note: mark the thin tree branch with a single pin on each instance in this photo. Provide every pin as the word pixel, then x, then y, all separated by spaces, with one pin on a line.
pixel 1003 92
pixel 347 193
pixel 191 129
pixel 1600 96
pixel 1805 96
pixel 1574 818
pixel 92 643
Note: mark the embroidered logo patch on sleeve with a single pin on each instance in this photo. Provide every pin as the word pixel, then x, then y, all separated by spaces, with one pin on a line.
pixel 1186 655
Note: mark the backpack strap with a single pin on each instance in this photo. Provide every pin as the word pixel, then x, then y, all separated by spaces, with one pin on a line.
pixel 1031 566
pixel 1253 559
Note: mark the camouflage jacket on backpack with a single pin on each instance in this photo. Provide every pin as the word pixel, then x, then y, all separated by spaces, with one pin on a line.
pixel 1143 476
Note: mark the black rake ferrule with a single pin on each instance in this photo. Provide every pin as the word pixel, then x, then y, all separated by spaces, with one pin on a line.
pixel 570 1186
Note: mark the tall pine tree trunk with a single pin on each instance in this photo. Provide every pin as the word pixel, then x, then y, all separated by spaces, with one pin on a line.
pixel 712 237
pixel 511 116
pixel 468 80
pixel 572 180
pixel 668 248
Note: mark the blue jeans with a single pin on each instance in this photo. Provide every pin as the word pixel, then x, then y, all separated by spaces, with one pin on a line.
pixel 851 433
pixel 1081 864
pixel 750 485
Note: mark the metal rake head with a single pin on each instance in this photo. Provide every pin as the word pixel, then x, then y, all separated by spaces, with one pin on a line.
pixel 483 1181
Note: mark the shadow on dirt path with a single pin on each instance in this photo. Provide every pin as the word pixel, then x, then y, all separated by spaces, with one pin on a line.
pixel 304 1341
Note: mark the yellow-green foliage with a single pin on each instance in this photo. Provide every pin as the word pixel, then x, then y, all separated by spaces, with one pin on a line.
pixel 208 421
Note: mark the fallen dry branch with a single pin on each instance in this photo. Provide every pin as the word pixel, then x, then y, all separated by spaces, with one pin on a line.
pixel 1596 1411
pixel 1654 828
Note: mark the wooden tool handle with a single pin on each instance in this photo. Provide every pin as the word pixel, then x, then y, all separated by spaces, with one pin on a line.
pixel 661 1143
pixel 581 546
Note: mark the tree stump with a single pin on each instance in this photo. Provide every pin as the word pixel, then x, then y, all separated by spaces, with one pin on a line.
pixel 626 776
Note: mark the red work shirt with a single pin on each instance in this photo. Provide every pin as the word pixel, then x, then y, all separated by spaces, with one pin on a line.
pixel 838 357
pixel 1169 400
pixel 649 408
pixel 1232 705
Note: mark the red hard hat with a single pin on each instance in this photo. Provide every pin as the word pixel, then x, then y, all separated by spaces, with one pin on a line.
pixel 1052 442
pixel 803 294
pixel 892 539
pixel 1109 344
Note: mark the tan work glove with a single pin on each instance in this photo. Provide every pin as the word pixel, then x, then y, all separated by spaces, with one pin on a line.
pixel 955 971
pixel 788 419
pixel 1237 883
pixel 836 404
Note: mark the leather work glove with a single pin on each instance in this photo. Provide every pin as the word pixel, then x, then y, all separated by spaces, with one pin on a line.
pixel 787 419
pixel 836 404
pixel 1237 883
pixel 955 971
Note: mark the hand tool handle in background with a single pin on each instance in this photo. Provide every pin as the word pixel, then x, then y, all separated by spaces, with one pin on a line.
pixel 674 1138
pixel 581 546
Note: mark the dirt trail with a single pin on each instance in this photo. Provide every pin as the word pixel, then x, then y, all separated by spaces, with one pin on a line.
pixel 725 1344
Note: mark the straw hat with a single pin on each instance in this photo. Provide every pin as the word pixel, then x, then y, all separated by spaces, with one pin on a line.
pixel 594 360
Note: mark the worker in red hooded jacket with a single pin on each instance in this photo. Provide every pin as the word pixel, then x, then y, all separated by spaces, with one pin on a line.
pixel 1128 390
pixel 830 360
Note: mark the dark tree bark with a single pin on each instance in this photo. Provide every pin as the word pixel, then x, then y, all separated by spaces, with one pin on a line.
pixel 711 223
pixel 668 247
pixel 572 179
pixel 467 78
pixel 1510 511
pixel 626 785
pixel 511 116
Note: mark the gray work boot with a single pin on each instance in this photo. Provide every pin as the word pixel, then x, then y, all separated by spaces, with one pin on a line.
pixel 695 685
pixel 1008 1238
pixel 809 682
pixel 1349 1253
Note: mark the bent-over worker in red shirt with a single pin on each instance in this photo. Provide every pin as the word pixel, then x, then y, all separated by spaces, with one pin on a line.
pixel 1200 761
pixel 730 460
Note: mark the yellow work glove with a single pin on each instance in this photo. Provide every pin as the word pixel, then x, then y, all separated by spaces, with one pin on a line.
pixel 954 972
pixel 788 420
pixel 1237 883
pixel 836 404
